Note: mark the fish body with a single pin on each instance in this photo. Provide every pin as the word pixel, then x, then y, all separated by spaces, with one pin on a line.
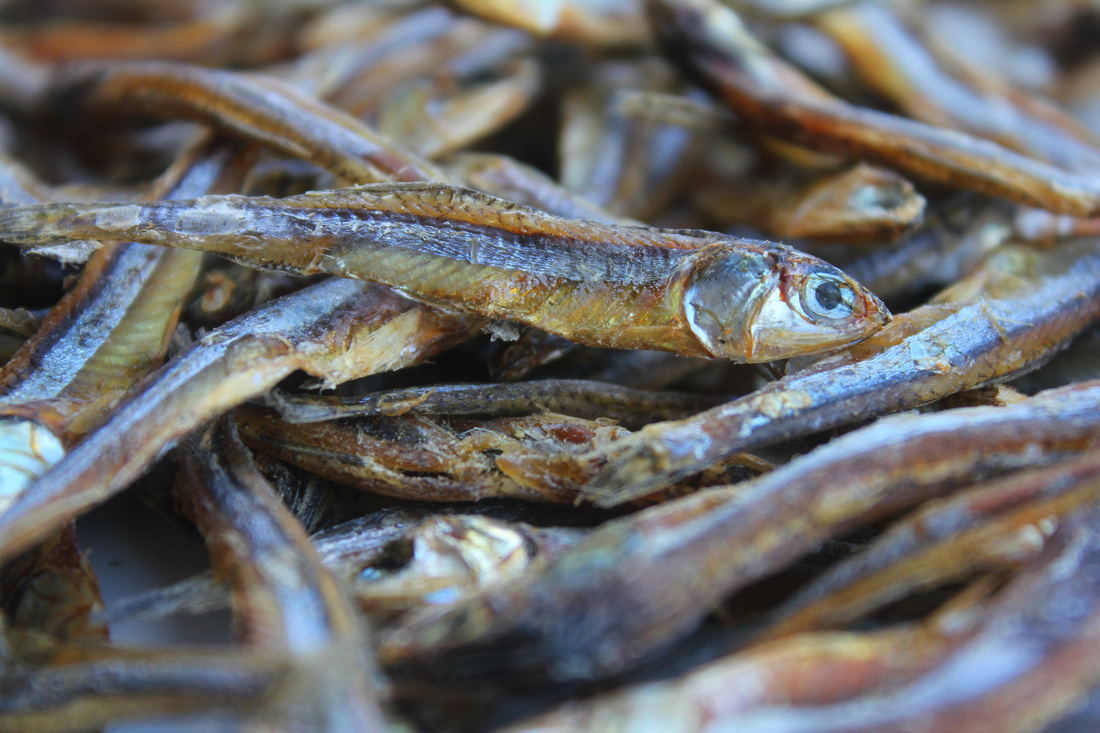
pixel 688 292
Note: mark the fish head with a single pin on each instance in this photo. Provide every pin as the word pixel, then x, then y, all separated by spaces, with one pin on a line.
pixel 758 302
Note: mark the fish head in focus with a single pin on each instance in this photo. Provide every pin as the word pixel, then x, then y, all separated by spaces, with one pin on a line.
pixel 758 304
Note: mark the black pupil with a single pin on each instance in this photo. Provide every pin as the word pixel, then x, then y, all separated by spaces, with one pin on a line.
pixel 828 295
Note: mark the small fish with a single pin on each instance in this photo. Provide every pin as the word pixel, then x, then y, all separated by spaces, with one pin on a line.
pixel 590 400
pixel 893 58
pixel 284 599
pixel 768 95
pixel 692 293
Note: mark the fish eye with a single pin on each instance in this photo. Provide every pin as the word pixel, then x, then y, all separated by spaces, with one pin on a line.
pixel 825 297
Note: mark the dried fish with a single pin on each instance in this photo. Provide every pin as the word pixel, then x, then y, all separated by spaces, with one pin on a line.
pixel 435 119
pixel 993 525
pixel 413 457
pixel 436 559
pixel 786 9
pixel 606 23
pixel 104 336
pixel 951 244
pixel 845 578
pixel 82 688
pixel 589 400
pixel 770 96
pixel 858 205
pixel 809 670
pixel 891 57
pixel 1032 304
pixel 696 294
pixel 627 165
pixel 52 589
pixel 1023 662
pixel 641 582
pixel 357 69
pixel 336 330
pixel 284 598
pixel 257 107
pixel 395 560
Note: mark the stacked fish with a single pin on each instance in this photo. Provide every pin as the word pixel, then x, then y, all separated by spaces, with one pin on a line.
pixel 460 335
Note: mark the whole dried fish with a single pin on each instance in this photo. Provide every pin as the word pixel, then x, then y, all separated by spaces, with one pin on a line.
pixel 395 560
pixel 590 400
pixel 696 294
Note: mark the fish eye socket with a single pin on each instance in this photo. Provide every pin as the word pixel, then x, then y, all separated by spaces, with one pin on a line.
pixel 827 298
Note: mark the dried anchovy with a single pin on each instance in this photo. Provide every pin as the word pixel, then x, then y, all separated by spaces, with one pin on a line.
pixel 986 579
pixel 284 597
pixel 394 560
pixel 258 107
pixel 413 457
pixel 695 294
pixel 890 56
pixel 590 400
pixel 859 205
pixel 771 96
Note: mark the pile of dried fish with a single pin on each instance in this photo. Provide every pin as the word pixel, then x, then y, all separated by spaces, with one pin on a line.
pixel 460 335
